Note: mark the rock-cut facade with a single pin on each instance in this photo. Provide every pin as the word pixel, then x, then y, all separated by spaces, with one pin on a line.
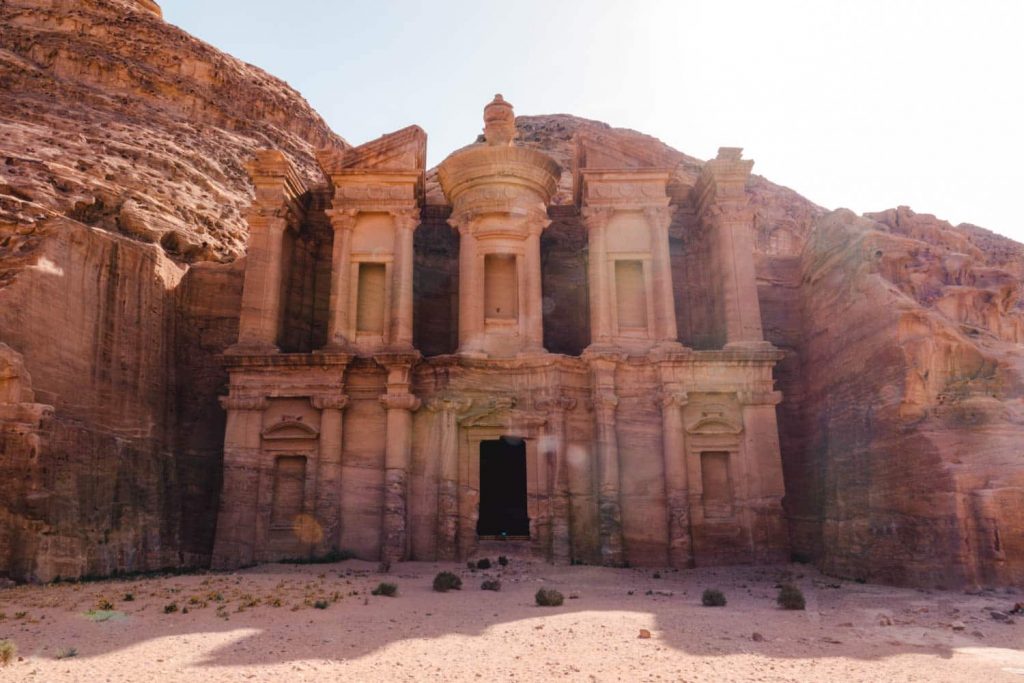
pixel 402 387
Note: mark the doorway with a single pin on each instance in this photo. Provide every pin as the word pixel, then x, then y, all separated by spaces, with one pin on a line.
pixel 503 489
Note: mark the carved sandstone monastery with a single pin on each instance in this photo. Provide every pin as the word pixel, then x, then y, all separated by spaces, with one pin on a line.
pixel 220 346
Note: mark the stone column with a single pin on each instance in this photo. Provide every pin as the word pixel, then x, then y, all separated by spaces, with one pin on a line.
pixel 764 486
pixel 677 499
pixel 561 507
pixel 471 290
pixel 723 205
pixel 609 508
pixel 260 316
pixel 402 282
pixel 447 427
pixel 329 464
pixel 534 331
pixel 343 222
pixel 400 404
pixel 659 218
pixel 236 521
pixel 596 221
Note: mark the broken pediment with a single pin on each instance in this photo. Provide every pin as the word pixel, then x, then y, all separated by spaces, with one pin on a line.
pixel 290 428
pixel 403 150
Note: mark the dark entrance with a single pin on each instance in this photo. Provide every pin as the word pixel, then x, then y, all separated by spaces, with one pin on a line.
pixel 503 489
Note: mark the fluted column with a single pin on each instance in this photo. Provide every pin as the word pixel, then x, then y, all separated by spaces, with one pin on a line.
pixel 236 520
pixel 400 404
pixel 447 427
pixel 260 315
pixel 561 503
pixel 343 222
pixel 596 221
pixel 329 468
pixel 659 218
pixel 677 499
pixel 402 283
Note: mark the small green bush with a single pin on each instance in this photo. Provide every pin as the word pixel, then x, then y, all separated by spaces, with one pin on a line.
pixel 502 560
pixel 548 597
pixel 170 608
pixel 8 652
pixel 712 597
pixel 483 564
pixel 388 589
pixel 104 605
pixel 491 585
pixel 321 604
pixel 128 597
pixel 790 597
pixel 446 581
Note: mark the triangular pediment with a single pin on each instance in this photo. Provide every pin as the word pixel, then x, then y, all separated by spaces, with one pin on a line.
pixel 596 151
pixel 403 150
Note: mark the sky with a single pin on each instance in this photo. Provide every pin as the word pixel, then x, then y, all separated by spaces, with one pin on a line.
pixel 859 104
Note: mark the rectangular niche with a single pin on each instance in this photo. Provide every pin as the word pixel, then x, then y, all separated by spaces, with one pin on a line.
pixel 631 296
pixel 289 490
pixel 370 304
pixel 716 484
pixel 501 294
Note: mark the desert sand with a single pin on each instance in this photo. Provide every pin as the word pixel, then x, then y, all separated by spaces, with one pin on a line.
pixel 261 624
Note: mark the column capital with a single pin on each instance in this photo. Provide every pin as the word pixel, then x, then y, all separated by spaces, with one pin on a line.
pixel 243 402
pixel 449 404
pixel 604 400
pixel 393 401
pixel 329 401
pixel 658 216
pixel 343 219
pixel 596 217
pixel 668 399
pixel 406 219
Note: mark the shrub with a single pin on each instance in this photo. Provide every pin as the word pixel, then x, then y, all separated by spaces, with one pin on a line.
pixel 104 605
pixel 491 585
pixel 8 652
pixel 713 597
pixel 388 589
pixel 128 597
pixel 503 561
pixel 170 608
pixel 321 604
pixel 548 597
pixel 446 581
pixel 790 597
pixel 483 564
pixel 67 653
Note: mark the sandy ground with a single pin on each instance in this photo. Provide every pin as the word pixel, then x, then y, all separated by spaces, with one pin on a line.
pixel 261 625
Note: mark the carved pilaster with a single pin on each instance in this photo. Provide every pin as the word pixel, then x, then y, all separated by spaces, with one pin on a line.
pixel 596 220
pixel 560 509
pixel 680 540
pixel 448 410
pixel 343 222
pixel 400 404
pixel 329 469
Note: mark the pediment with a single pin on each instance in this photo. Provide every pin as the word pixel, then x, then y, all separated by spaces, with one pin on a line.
pixel 596 151
pixel 403 150
pixel 290 429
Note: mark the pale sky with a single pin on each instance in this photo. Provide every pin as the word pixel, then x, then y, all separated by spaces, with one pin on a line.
pixel 859 104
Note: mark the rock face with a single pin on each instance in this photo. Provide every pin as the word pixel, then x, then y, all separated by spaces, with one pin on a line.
pixel 122 194
pixel 121 161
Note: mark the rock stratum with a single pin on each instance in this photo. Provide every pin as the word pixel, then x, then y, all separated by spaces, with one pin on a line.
pixel 122 192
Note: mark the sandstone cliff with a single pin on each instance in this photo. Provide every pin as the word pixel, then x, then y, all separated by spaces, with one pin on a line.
pixel 122 149
pixel 122 193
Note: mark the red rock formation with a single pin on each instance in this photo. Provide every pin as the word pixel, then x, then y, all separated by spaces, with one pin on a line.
pixel 121 161
pixel 122 186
